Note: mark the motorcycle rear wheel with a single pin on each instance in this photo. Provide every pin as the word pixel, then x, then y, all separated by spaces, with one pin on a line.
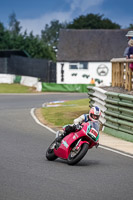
pixel 50 152
pixel 74 159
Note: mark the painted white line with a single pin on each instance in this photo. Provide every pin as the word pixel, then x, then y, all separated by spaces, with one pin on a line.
pixel 38 122
pixel 106 148
pixel 116 151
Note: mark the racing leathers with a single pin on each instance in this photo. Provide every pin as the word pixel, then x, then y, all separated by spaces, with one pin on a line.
pixel 75 126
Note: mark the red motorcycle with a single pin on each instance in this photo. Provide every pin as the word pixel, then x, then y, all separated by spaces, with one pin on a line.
pixel 74 146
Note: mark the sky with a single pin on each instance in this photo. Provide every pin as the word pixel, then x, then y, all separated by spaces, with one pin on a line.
pixel 35 14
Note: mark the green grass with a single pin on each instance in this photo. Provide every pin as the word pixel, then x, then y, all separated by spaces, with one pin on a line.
pixel 66 113
pixel 15 88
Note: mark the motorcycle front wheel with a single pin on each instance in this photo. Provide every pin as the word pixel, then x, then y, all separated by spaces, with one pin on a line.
pixel 50 152
pixel 76 155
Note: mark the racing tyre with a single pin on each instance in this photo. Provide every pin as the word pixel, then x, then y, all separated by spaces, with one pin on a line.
pixel 76 155
pixel 50 152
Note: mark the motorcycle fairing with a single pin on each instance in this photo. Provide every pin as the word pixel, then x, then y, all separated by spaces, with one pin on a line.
pixel 65 147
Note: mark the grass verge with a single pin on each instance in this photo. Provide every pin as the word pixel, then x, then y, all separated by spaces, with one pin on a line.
pixel 66 113
pixel 56 117
pixel 16 88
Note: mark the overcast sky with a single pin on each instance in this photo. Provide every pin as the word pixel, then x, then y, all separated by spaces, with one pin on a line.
pixel 33 14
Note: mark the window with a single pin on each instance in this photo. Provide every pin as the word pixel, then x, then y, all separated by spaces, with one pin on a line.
pixel 83 65
pixel 80 65
pixel 73 66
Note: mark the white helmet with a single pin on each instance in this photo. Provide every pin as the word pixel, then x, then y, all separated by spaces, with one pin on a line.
pixel 94 113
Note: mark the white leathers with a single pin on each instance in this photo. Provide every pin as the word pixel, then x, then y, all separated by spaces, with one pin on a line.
pixel 85 118
pixel 82 118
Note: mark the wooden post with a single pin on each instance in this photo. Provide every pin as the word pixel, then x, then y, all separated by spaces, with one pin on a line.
pixel 113 74
pixel 127 77
pixel 122 74
pixel 119 74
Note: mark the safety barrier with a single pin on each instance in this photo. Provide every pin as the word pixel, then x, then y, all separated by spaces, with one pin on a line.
pixel 23 80
pixel 43 86
pixel 117 112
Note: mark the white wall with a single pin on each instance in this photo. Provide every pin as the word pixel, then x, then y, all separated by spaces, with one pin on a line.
pixel 94 70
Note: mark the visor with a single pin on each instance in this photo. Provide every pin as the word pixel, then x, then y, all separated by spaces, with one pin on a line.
pixel 95 117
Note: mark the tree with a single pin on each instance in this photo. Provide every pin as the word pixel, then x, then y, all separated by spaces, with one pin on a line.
pixel 2 34
pixel 35 47
pixel 93 21
pixel 14 24
pixel 50 34
pixel 1 27
pixel 130 26
pixel 45 46
pixel 4 37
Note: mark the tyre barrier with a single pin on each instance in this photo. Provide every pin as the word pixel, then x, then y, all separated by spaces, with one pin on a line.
pixel 117 112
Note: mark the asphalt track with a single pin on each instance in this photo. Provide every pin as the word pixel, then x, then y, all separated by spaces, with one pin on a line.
pixel 25 174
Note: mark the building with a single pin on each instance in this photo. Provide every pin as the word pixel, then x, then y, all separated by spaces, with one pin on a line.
pixel 84 55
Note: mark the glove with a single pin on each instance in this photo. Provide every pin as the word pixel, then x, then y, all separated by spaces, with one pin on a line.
pixel 78 127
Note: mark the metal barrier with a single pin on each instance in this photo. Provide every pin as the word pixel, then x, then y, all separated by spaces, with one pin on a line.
pixel 117 112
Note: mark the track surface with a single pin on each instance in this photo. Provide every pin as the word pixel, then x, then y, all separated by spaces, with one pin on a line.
pixel 25 174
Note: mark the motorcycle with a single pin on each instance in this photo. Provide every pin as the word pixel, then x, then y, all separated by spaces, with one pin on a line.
pixel 74 146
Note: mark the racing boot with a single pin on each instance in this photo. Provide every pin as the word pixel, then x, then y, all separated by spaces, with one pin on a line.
pixel 61 136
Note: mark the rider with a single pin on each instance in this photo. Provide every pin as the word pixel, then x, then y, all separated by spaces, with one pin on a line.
pixel 93 115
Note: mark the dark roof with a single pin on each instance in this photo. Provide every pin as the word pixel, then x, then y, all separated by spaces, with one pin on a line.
pixel 91 45
pixel 8 53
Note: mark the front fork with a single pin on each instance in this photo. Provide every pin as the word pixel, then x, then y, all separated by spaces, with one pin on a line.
pixel 79 144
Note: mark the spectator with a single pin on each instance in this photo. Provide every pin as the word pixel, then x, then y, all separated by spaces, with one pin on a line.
pixel 129 36
pixel 130 53
pixel 92 81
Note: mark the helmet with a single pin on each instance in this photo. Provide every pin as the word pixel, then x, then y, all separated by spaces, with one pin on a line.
pixel 129 34
pixel 94 113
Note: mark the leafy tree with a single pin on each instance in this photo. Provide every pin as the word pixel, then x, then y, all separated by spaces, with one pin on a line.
pixel 1 27
pixel 130 26
pixel 36 47
pixel 92 21
pixel 4 37
pixel 12 38
pixel 14 24
pixel 50 34
pixel 44 46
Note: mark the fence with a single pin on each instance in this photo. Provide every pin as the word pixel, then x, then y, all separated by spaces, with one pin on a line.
pixel 117 112
pixel 122 76
pixel 43 69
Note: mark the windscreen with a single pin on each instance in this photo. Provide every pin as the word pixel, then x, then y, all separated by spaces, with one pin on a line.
pixel 93 130
pixel 95 125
